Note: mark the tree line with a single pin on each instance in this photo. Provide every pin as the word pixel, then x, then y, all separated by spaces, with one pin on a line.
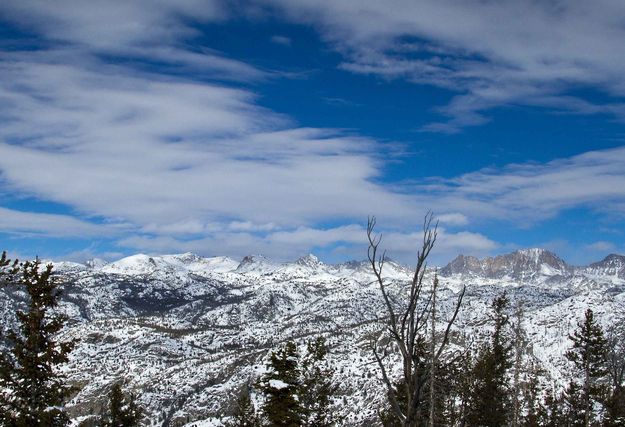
pixel 443 380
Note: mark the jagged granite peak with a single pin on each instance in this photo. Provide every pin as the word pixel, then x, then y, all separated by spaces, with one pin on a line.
pixel 255 264
pixel 463 264
pixel 521 264
pixel 309 260
pixel 611 265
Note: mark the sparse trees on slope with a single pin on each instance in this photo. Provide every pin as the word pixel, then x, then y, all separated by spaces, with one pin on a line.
pixel 32 391
pixel 490 397
pixel 123 410
pixel 589 355
pixel 407 329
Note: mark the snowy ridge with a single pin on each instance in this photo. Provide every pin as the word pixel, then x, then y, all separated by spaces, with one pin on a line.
pixel 187 331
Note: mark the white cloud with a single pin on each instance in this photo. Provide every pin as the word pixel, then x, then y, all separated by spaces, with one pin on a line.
pixel 137 30
pixel 532 192
pixel 453 218
pixel 490 53
pixel 20 222
pixel 290 244
pixel 168 151
pixel 197 165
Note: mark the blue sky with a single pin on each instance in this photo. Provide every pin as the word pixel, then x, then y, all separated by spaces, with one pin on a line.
pixel 277 127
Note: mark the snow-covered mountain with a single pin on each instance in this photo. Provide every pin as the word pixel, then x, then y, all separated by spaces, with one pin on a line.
pixel 612 265
pixel 186 331
pixel 526 264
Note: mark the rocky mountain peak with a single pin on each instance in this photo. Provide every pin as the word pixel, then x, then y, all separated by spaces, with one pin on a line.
pixel 463 265
pixel 309 261
pixel 611 265
pixel 521 264
pixel 255 264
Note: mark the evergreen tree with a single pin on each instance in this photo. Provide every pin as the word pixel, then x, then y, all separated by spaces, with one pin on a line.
pixel 32 391
pixel 8 269
pixel 490 396
pixel 520 346
pixel 573 406
pixel 281 386
pixel 554 410
pixel 123 411
pixel 244 412
pixel 316 389
pixel 461 377
pixel 615 402
pixel 536 411
pixel 589 355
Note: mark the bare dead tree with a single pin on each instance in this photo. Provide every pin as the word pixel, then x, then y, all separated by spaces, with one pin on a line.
pixel 407 328
pixel 434 360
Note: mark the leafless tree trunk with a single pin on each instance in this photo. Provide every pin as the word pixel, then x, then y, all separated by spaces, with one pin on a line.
pixel 407 327
pixel 432 350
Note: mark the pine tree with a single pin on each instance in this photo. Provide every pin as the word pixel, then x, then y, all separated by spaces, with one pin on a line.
pixel 615 402
pixel 554 407
pixel 589 355
pixel 536 413
pixel 574 408
pixel 32 391
pixel 281 385
pixel 123 411
pixel 8 269
pixel 316 388
pixel 461 378
pixel 244 412
pixel 490 397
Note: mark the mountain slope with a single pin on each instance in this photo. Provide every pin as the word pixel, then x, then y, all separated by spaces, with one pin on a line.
pixel 187 331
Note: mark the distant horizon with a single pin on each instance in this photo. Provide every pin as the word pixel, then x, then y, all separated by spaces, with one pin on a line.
pixel 294 260
pixel 278 127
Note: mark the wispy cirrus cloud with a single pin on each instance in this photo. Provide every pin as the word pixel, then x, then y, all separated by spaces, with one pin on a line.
pixel 491 54
pixel 185 162
pixel 163 151
pixel 531 192
pixel 139 32
pixel 18 222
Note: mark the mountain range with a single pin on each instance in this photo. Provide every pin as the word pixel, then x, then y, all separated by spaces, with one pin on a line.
pixel 185 332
